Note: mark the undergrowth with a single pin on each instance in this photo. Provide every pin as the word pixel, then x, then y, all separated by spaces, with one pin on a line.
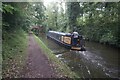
pixel 13 52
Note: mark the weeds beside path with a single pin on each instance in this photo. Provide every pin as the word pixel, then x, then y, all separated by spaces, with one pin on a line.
pixel 14 47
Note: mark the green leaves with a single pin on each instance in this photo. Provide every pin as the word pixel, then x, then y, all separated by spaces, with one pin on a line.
pixel 16 16
pixel 100 22
pixel 8 8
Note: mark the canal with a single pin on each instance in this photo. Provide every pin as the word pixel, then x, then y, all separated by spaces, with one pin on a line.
pixel 98 61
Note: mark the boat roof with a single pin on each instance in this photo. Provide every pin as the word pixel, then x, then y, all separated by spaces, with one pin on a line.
pixel 62 33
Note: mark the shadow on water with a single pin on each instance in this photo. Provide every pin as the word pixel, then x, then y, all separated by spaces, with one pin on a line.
pixel 99 61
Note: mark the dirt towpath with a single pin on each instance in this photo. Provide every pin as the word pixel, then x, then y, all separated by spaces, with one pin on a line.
pixel 37 64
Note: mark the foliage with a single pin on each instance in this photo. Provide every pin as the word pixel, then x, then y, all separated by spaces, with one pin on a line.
pixel 18 13
pixel 73 11
pixel 38 12
pixel 8 9
pixel 100 22
pixel 97 21
pixel 15 21
pixel 14 48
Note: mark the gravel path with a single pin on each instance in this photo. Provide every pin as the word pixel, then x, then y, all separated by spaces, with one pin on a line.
pixel 37 64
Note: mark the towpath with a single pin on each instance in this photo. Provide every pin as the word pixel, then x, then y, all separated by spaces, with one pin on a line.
pixel 37 64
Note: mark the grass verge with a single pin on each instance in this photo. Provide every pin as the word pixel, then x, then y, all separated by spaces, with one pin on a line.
pixel 60 67
pixel 13 52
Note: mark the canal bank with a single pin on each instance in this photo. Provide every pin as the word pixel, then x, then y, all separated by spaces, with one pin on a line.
pixel 62 69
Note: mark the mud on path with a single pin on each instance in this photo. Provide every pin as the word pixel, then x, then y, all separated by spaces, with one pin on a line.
pixel 37 64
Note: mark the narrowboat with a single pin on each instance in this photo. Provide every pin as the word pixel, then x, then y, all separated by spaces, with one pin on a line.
pixel 72 41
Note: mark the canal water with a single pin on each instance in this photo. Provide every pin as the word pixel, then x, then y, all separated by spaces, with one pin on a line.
pixel 98 61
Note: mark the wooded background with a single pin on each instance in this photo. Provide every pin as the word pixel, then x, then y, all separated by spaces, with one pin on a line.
pixel 96 21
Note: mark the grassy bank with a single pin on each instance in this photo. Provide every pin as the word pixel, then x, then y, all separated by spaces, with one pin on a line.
pixel 14 51
pixel 59 66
